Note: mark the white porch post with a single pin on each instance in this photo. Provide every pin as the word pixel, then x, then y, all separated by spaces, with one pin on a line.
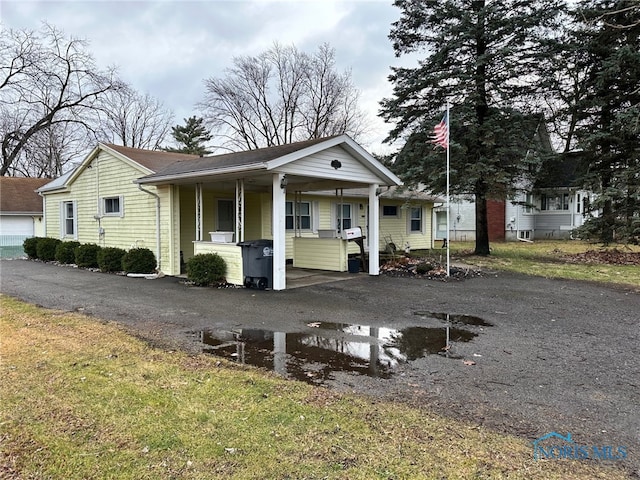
pixel 278 228
pixel 374 231
pixel 199 226
pixel 239 230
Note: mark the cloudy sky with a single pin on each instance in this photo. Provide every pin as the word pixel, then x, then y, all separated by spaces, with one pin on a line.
pixel 167 48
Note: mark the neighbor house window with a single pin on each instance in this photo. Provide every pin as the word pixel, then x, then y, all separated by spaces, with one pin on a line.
pixel 300 220
pixel 390 211
pixel 344 219
pixel 68 224
pixel 554 202
pixel 415 219
pixel 112 206
pixel 528 202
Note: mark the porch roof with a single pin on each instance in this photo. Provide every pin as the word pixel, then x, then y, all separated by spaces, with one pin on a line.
pixel 265 160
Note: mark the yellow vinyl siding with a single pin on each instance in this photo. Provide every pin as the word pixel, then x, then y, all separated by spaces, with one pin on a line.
pixel 111 177
pixel 232 255
pixel 320 253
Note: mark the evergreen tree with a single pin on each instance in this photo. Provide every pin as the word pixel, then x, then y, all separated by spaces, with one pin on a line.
pixel 192 136
pixel 608 115
pixel 485 58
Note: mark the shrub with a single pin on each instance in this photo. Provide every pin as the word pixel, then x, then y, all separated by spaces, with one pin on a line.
pixel 65 252
pixel 30 246
pixel 110 259
pixel 87 255
pixel 46 248
pixel 139 260
pixel 206 268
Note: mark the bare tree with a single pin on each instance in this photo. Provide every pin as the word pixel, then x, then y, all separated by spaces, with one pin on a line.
pixel 46 79
pixel 51 151
pixel 281 96
pixel 126 117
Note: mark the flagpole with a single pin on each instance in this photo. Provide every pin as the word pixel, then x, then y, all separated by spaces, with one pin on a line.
pixel 448 206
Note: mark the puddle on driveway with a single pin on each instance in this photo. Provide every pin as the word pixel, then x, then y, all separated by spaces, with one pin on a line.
pixel 326 347
pixel 456 319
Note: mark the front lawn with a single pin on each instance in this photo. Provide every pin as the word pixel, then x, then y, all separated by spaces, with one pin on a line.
pixel 81 399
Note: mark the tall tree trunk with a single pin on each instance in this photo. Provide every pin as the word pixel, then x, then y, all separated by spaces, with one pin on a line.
pixel 482 224
pixel 482 110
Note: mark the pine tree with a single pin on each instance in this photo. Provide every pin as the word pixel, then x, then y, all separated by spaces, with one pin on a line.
pixel 484 58
pixel 608 118
pixel 192 136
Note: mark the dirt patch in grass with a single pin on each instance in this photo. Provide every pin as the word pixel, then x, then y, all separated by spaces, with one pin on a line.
pixel 605 257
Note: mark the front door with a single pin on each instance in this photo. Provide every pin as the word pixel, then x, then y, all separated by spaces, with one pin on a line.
pixel 226 214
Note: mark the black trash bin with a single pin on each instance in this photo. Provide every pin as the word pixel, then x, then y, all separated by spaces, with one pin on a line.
pixel 257 263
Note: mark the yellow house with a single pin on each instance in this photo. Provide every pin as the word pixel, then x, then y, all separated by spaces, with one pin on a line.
pixel 306 200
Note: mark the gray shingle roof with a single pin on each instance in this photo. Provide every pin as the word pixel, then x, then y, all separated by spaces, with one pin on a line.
pixel 235 159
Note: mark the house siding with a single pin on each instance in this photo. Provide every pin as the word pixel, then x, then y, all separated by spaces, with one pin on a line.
pixel 111 177
pixel 319 165
pixel 552 225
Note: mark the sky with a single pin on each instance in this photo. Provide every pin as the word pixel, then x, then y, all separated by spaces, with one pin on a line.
pixel 167 48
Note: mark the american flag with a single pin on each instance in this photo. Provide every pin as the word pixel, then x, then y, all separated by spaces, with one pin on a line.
pixel 441 132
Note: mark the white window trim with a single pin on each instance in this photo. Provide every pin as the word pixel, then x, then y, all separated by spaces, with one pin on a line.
pixel 312 223
pixel 63 219
pixel 334 214
pixel 422 221
pixel 103 201
pixel 397 207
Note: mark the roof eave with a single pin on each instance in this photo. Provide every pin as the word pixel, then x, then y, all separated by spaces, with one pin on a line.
pixel 158 179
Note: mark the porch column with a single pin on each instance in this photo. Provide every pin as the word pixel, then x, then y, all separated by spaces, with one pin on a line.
pixel 199 226
pixel 239 230
pixel 278 228
pixel 374 230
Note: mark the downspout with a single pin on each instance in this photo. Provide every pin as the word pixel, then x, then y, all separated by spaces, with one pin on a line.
pixel 159 254
pixel 44 216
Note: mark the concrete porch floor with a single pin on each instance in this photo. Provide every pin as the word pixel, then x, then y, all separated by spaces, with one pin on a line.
pixel 303 277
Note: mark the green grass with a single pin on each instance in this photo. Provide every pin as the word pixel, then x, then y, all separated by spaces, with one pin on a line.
pixel 547 259
pixel 81 399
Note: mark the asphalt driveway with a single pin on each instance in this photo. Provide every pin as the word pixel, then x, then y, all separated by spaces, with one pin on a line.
pixel 545 355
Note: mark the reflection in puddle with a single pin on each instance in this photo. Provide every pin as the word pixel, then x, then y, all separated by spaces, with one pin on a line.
pixel 327 347
pixel 456 319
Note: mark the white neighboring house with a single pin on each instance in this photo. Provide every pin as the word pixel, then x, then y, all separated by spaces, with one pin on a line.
pixel 549 209
pixel 20 212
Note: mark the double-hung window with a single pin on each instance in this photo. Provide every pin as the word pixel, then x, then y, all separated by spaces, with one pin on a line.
pixel 344 216
pixel 298 216
pixel 68 225
pixel 415 220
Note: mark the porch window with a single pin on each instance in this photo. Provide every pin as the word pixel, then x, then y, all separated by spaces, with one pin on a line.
pixel 301 219
pixel 390 211
pixel 112 206
pixel 554 202
pixel 345 220
pixel 69 219
pixel 415 220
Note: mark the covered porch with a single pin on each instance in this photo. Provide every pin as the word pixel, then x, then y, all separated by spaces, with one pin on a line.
pixel 275 194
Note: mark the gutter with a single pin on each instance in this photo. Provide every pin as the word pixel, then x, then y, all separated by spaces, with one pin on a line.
pixel 159 254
